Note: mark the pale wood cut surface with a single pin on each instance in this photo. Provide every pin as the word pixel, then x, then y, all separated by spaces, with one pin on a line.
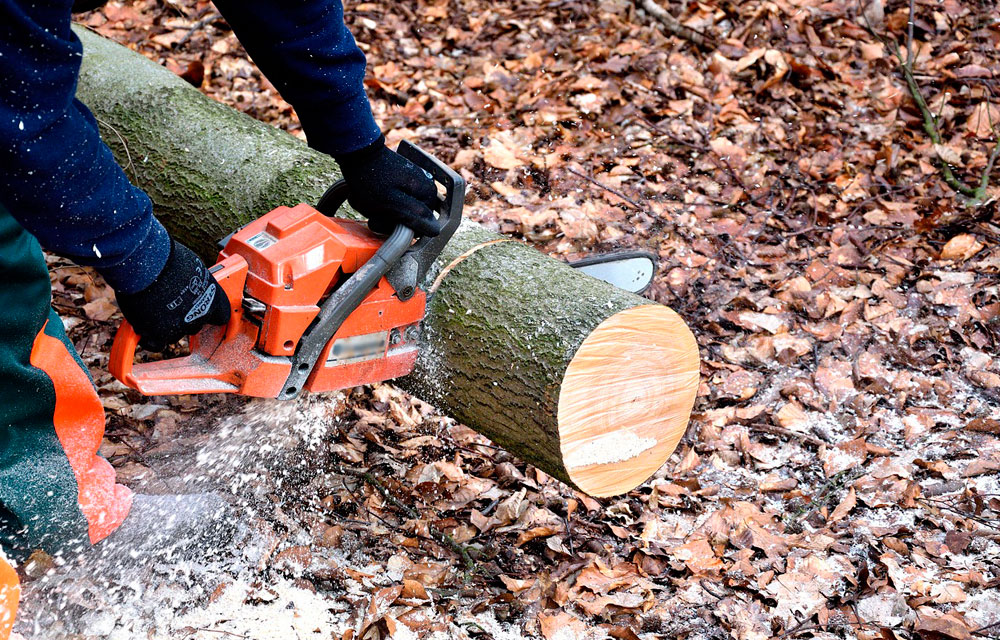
pixel 626 398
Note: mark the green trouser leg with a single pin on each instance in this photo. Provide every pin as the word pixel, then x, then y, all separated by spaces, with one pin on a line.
pixel 55 491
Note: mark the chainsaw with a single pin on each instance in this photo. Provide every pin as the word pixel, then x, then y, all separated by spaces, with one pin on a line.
pixel 318 303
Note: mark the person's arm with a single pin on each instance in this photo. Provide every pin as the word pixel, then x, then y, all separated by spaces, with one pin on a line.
pixel 306 51
pixel 60 181
pixel 57 178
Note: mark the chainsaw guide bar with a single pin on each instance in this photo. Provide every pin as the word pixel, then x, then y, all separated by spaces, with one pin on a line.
pixel 318 303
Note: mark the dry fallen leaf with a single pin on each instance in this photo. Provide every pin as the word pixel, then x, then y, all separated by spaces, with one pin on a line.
pixel 516 585
pixel 961 247
pixel 951 624
pixel 561 626
pixel 948 154
pixel 984 121
pixel 501 154
pixel 845 506
pixel 100 309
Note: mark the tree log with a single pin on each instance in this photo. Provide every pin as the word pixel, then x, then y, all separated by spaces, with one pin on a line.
pixel 591 384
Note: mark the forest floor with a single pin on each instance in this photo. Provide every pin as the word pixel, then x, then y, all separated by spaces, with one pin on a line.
pixel 839 478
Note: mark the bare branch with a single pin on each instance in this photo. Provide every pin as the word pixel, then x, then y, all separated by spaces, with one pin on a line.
pixel 674 26
pixel 930 124
pixel 976 195
pixel 909 37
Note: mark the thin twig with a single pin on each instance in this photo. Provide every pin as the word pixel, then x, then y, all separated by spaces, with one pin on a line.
pixel 676 27
pixel 222 631
pixel 984 181
pixel 210 18
pixel 799 628
pixel 443 537
pixel 121 139
pixel 608 189
pixel 909 37
pixel 781 431
pixel 980 630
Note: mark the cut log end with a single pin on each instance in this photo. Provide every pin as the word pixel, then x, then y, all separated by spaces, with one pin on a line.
pixel 625 400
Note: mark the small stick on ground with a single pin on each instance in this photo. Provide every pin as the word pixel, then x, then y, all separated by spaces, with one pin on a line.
pixel 676 27
pixel 608 189
pixel 209 19
pixel 781 431
pixel 220 631
pixel 412 513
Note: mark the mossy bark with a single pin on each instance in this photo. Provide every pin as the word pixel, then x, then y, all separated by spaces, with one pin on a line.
pixel 208 168
pixel 499 331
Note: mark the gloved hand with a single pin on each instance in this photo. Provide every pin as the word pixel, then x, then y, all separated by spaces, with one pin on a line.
pixel 182 299
pixel 389 190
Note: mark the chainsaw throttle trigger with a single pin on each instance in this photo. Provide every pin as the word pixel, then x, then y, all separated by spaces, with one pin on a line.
pixel 411 268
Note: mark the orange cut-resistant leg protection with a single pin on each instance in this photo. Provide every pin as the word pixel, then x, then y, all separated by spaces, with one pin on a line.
pixel 79 422
pixel 10 593
pixel 56 493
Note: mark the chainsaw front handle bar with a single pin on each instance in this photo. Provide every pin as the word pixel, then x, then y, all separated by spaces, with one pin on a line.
pixel 411 269
pixel 403 263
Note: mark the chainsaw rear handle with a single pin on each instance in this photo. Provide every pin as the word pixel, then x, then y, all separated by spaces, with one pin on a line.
pixel 412 267
pixel 231 276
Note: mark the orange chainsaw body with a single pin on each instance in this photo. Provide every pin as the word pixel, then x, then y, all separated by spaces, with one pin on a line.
pixel 276 272
pixel 318 303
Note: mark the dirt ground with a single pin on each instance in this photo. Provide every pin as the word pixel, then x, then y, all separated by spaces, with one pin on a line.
pixel 832 245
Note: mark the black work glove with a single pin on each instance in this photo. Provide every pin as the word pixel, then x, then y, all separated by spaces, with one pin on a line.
pixel 389 190
pixel 182 299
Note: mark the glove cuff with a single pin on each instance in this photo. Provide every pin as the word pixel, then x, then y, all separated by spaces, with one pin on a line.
pixel 173 265
pixel 362 155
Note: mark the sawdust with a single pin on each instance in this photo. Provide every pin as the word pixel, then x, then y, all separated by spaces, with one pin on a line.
pixel 606 449
pixel 497 630
pixel 287 612
pixel 982 609
pixel 233 591
pixel 888 609
pixel 247 455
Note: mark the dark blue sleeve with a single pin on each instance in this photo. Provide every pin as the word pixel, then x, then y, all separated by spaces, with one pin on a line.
pixel 57 178
pixel 306 51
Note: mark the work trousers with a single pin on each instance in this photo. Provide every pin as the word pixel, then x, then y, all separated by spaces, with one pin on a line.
pixel 56 493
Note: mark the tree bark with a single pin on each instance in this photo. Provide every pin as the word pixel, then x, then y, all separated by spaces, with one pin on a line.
pixel 589 383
